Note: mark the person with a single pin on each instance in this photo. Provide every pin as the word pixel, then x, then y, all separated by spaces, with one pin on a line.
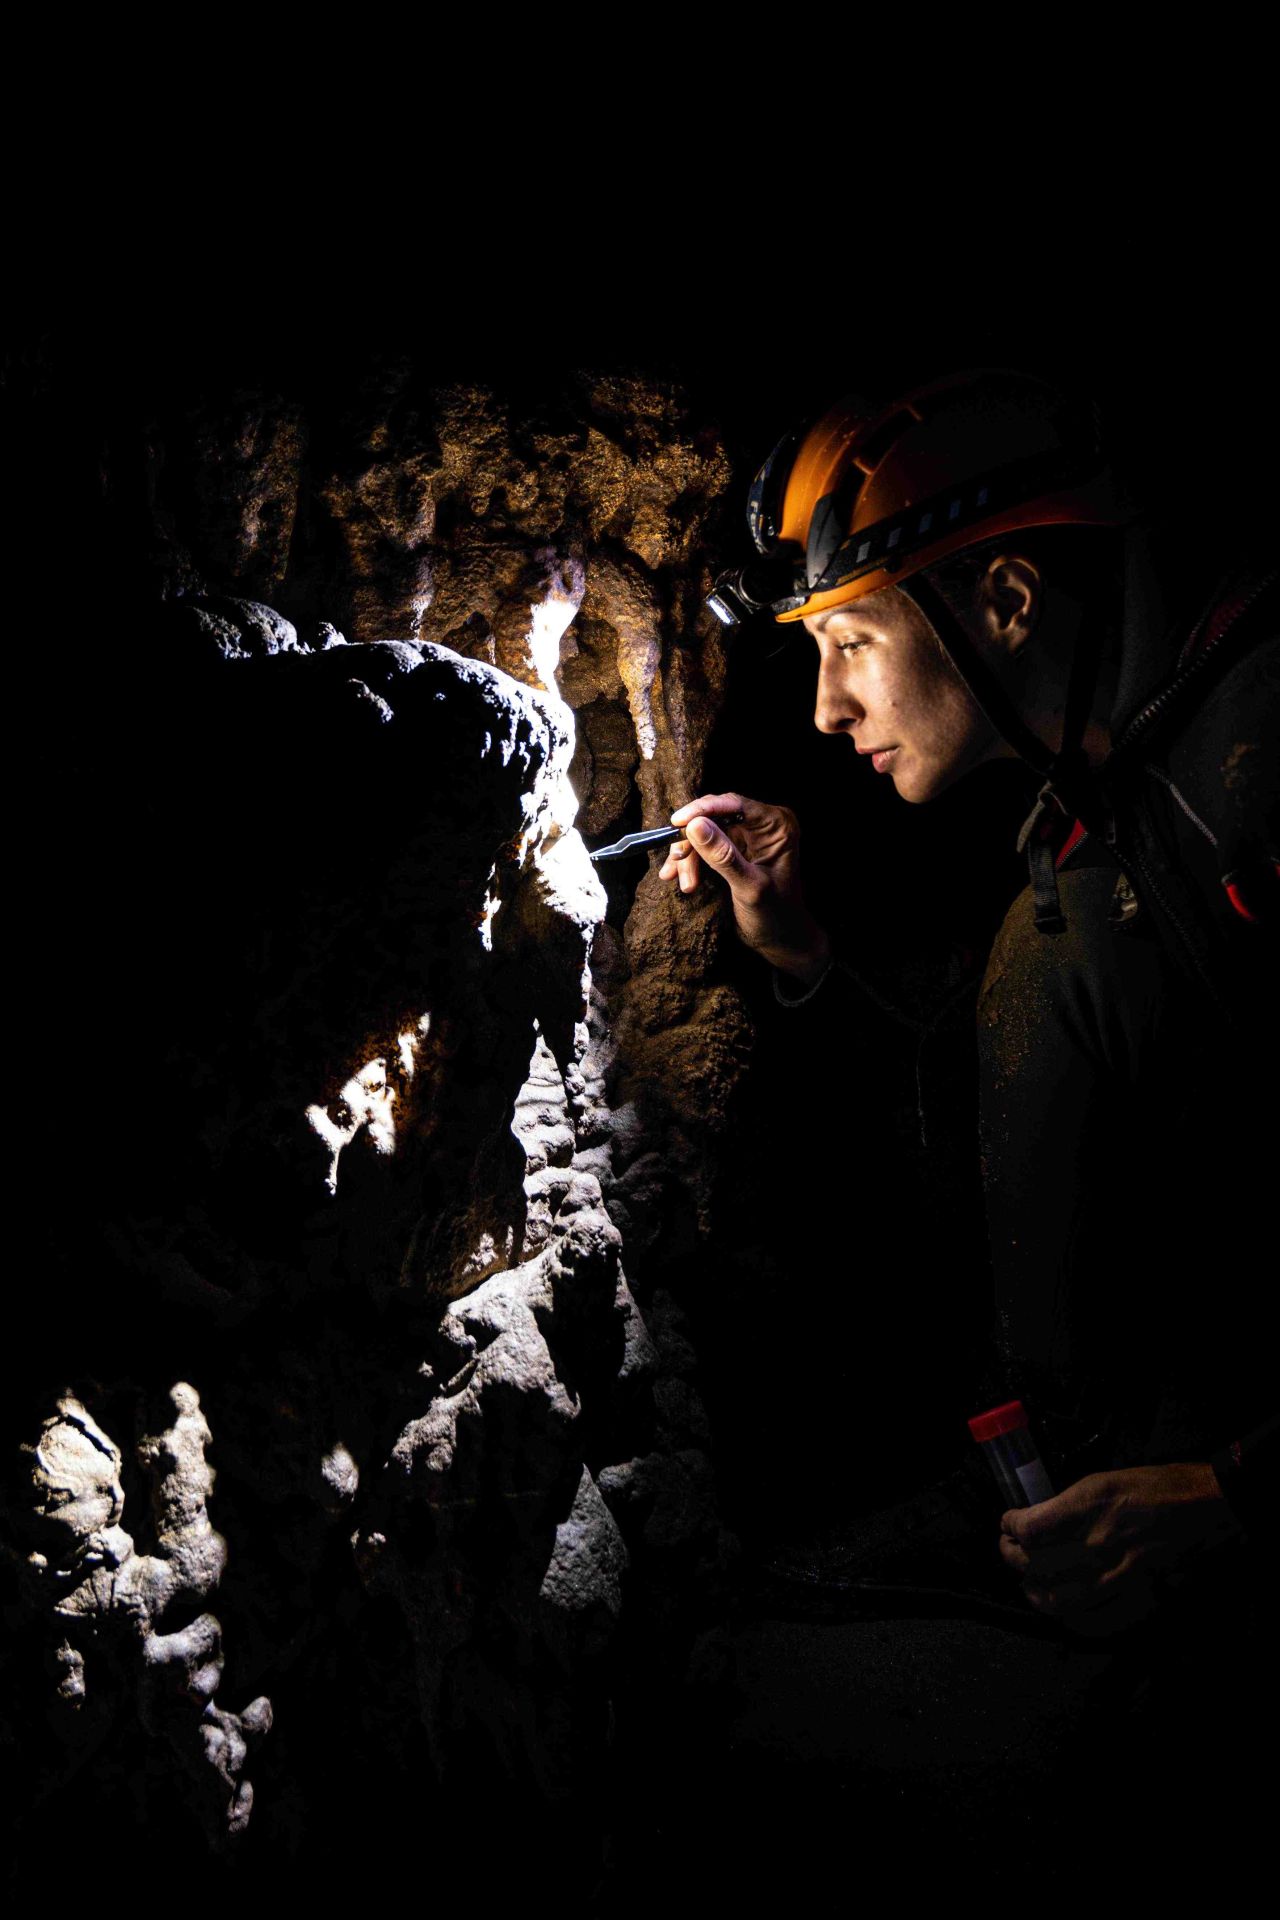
pixel 979 588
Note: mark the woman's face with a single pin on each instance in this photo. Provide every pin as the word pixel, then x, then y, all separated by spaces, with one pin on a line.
pixel 884 680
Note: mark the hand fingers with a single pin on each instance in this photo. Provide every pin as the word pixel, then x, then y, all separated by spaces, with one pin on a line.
pixel 681 863
pixel 1029 1525
pixel 1068 1515
pixel 1099 1582
pixel 753 811
pixel 721 854
pixel 1013 1555
pixel 1044 1564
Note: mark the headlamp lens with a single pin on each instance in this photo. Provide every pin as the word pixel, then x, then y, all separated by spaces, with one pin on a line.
pixel 756 588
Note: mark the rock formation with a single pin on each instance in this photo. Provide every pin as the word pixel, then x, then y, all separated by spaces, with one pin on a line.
pixel 397 1129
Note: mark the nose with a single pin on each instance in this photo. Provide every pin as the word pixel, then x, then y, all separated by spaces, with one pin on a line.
pixel 835 709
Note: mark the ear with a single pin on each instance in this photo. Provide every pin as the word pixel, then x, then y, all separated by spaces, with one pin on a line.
pixel 1010 597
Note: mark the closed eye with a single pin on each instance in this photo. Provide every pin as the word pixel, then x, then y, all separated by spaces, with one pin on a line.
pixel 849 646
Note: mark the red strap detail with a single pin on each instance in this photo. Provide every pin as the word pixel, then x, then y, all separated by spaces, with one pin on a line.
pixel 1236 898
pixel 1235 1452
pixel 1072 841
pixel 1236 594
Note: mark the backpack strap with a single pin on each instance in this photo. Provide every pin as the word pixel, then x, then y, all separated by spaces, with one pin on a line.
pixel 1069 786
pixel 1242 616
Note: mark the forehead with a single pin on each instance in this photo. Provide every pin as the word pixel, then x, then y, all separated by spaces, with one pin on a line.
pixel 887 611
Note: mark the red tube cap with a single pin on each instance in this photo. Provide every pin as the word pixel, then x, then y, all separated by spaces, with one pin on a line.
pixel 985 1426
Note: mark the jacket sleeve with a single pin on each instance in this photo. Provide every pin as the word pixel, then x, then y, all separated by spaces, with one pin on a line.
pixel 1249 1474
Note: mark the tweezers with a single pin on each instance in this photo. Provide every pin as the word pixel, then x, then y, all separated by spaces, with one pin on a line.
pixel 657 837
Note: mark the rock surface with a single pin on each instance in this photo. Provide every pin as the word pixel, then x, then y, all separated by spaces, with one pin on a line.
pixel 391 1137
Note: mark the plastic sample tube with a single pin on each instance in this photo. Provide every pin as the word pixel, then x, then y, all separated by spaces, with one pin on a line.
pixel 1004 1434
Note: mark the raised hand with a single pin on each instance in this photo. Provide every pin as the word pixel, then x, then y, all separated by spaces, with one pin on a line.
pixel 757 858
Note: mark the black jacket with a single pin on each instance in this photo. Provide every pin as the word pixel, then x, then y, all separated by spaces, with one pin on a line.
pixel 1128 1066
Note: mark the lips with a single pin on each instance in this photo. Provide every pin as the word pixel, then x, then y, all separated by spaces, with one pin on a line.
pixel 880 756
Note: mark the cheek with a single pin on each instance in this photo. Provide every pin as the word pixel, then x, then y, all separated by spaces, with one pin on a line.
pixel 883 690
pixel 899 704
pixel 955 716
pixel 947 710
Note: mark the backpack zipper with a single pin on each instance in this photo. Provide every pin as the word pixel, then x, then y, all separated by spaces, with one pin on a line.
pixel 1158 773
pixel 1156 707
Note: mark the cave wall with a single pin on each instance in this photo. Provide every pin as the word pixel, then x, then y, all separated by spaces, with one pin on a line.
pixel 359 1413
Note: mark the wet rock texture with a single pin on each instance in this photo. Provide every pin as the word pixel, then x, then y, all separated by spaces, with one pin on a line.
pixel 394 1148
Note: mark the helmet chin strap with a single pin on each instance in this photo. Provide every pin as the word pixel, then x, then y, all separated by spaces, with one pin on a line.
pixel 1068 784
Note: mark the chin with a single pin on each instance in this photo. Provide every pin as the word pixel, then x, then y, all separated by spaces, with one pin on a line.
pixel 915 788
pixel 917 785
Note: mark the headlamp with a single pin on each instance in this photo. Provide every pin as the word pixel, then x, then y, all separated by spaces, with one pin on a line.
pixel 758 587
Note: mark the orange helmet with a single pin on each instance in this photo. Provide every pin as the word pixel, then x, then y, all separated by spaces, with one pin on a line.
pixel 864 498
pixel 868 498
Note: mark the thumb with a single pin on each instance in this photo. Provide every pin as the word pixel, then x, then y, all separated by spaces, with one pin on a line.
pixel 1027 1525
pixel 717 849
